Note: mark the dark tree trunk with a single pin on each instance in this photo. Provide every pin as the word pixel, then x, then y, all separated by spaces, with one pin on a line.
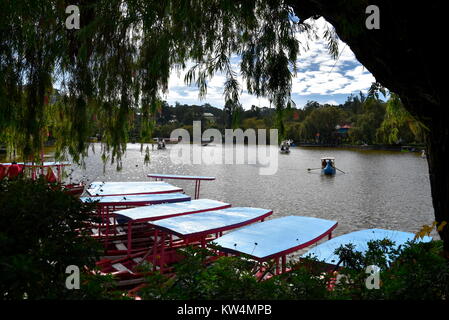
pixel 406 55
pixel 438 157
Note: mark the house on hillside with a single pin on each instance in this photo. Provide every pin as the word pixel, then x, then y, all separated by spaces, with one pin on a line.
pixel 343 129
pixel 342 132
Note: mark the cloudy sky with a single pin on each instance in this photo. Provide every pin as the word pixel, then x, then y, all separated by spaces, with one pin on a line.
pixel 320 78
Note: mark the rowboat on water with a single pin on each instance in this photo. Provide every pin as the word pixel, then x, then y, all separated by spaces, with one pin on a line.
pixel 161 145
pixel 285 147
pixel 328 166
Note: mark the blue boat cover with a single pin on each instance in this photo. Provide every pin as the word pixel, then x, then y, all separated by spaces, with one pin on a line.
pixel 144 198
pixel 159 211
pixel 98 188
pixel 325 251
pixel 275 236
pixel 178 176
pixel 213 221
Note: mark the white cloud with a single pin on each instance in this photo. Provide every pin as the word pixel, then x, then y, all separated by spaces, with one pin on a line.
pixel 331 102
pixel 318 75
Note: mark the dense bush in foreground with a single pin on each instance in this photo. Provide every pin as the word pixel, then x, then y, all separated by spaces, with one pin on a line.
pixel 39 238
pixel 413 271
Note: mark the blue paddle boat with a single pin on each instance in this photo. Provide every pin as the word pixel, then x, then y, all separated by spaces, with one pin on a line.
pixel 328 166
pixel 325 251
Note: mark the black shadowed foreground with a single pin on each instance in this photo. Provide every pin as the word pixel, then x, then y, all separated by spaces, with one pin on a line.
pixel 39 238
pixel 416 271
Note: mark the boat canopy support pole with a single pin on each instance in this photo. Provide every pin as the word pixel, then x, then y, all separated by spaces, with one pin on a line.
pixel 197 188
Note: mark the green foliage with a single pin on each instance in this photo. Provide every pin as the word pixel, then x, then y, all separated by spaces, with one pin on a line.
pixel 229 278
pixel 412 271
pixel 323 121
pixel 371 120
pixel 39 237
pixel 399 124
pixel 420 272
pixel 253 123
pixel 232 114
pixel 114 69
pixel 368 121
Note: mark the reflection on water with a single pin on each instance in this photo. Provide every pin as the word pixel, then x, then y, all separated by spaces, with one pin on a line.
pixel 379 190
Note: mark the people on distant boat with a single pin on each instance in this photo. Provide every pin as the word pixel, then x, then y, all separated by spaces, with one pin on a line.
pixel 285 147
pixel 323 164
pixel 161 143
pixel 331 163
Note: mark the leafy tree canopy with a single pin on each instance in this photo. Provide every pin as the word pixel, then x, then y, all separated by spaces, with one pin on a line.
pixel 118 63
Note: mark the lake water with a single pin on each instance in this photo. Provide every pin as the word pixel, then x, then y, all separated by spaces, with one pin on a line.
pixel 380 189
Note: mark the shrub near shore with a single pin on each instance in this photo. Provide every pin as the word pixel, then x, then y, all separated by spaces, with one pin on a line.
pixel 414 271
pixel 39 238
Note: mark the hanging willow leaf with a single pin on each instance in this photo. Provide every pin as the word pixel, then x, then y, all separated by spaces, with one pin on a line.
pixel 112 72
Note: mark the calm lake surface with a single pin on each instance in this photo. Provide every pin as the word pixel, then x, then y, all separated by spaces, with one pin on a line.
pixel 380 189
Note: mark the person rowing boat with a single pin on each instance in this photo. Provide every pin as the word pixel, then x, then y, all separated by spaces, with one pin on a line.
pixel 328 165
pixel 285 147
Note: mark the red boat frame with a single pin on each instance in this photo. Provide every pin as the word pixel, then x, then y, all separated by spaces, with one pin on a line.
pixel 280 258
pixel 197 179
pixel 144 220
pixel 161 235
